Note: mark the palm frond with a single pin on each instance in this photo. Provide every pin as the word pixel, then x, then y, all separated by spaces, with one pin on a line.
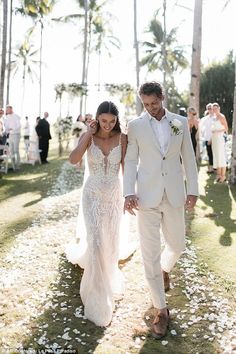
pixel 68 18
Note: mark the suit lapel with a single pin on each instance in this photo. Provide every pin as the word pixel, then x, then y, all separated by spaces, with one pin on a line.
pixel 173 137
pixel 169 118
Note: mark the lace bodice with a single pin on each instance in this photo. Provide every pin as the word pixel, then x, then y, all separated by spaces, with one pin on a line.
pixel 101 165
pixel 216 126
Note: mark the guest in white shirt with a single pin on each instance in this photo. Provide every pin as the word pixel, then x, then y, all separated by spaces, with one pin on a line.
pixel 206 134
pixel 13 128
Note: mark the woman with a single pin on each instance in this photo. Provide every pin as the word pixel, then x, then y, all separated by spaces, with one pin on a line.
pixel 219 127
pixel 193 126
pixel 98 251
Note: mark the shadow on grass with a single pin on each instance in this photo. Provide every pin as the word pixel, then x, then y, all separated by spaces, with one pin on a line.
pixel 219 199
pixel 10 231
pixel 38 178
pixel 60 317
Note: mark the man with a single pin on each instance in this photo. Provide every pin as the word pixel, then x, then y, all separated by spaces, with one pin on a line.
pixel 13 130
pixel 158 143
pixel 206 134
pixel 43 131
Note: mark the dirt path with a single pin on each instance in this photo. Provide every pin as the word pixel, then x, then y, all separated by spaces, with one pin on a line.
pixel 40 306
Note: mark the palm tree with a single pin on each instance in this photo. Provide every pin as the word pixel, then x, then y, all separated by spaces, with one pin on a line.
pixel 103 39
pixel 136 46
pixel 196 56
pixel 25 64
pixel 37 10
pixel 95 31
pixel 4 51
pixel 85 51
pixel 9 53
pixel 173 58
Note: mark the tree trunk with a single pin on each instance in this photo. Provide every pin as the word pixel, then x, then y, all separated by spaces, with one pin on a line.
pixel 164 54
pixel 84 51
pixel 9 55
pixel 136 46
pixel 89 38
pixel 40 67
pixel 60 147
pixel 23 91
pixel 232 178
pixel 196 56
pixel 4 52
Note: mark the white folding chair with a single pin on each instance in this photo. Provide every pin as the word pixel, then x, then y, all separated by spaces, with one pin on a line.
pixel 4 158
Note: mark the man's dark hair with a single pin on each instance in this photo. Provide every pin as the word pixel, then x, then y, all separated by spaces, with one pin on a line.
pixel 151 88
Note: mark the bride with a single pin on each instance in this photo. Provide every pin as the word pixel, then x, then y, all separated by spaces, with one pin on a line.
pixel 100 214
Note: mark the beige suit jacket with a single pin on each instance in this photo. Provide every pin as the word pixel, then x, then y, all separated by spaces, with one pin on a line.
pixel 148 173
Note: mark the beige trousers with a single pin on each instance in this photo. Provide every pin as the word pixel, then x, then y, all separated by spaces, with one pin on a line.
pixel 155 258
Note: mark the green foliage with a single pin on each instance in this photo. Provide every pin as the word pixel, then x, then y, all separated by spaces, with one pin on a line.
pixel 217 85
pixel 125 92
pixel 36 8
pixel 176 100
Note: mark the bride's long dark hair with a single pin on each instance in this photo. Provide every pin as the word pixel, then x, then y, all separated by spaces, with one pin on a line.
pixel 109 107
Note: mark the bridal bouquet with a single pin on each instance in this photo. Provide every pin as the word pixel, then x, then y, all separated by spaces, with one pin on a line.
pixel 77 128
pixel 175 125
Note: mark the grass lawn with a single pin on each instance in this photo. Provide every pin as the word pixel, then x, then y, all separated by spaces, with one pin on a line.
pixel 213 230
pixel 44 305
pixel 19 194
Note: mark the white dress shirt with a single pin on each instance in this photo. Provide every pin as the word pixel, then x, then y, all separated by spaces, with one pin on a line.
pixel 12 124
pixel 205 127
pixel 162 132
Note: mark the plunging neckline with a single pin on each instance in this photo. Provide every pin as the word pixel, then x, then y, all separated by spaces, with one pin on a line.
pixel 100 149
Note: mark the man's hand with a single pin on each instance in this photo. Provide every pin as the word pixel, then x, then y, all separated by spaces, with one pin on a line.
pixel 131 202
pixel 190 202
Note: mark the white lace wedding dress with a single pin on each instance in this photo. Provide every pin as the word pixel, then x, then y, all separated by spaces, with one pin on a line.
pixel 218 144
pixel 98 230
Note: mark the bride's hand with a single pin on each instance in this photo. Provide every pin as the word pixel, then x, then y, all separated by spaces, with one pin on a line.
pixel 93 127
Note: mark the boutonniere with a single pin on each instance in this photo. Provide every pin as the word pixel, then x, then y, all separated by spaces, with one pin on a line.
pixel 175 125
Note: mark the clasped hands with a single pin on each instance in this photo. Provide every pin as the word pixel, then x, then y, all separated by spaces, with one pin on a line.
pixel 131 202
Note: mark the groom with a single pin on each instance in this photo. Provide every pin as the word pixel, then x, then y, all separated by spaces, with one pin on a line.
pixel 159 158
